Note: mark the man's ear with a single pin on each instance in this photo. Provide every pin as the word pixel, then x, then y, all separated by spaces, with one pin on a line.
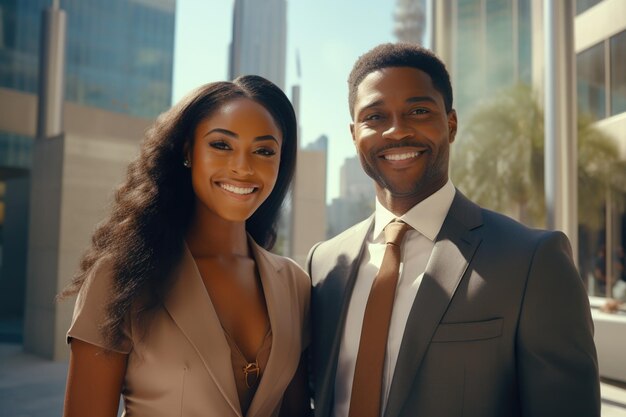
pixel 452 125
pixel 352 132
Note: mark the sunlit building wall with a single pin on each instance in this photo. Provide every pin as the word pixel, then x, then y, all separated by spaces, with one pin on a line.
pixel 308 202
pixel 498 43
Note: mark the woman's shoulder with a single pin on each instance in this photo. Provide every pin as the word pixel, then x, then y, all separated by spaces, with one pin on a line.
pixel 91 306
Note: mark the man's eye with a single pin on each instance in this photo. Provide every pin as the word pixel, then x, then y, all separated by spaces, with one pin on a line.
pixel 419 111
pixel 265 151
pixel 370 117
pixel 219 144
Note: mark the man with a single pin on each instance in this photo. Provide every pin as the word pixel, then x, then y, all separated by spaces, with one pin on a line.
pixel 488 319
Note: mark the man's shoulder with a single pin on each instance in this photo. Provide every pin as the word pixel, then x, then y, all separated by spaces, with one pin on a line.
pixel 489 222
pixel 348 236
pixel 498 225
pixel 349 239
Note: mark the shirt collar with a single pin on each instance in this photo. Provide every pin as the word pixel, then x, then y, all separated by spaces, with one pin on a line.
pixel 426 217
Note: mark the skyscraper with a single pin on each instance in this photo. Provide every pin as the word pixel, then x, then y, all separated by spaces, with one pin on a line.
pixel 410 17
pixel 259 42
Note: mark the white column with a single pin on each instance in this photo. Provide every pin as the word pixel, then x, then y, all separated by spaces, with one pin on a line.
pixel 51 73
pixel 561 156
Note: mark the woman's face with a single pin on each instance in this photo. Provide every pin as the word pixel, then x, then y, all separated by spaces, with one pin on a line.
pixel 234 159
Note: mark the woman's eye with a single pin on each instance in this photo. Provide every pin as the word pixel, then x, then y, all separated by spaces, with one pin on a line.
pixel 221 145
pixel 265 151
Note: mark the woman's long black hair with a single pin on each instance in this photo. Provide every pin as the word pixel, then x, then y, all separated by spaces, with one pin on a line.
pixel 144 235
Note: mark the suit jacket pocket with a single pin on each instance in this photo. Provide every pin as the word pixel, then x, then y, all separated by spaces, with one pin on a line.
pixel 469 331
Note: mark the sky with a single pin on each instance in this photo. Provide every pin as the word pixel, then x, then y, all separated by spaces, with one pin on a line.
pixel 329 36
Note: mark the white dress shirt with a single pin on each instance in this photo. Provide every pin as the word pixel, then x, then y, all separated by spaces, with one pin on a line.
pixel 426 218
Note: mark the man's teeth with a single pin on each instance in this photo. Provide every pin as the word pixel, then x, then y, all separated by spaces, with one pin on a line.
pixel 401 156
pixel 237 190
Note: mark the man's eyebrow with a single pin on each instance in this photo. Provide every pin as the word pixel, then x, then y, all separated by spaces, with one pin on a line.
pixel 418 99
pixel 236 136
pixel 415 99
pixel 370 105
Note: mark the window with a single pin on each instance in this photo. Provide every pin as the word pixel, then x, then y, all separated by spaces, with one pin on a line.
pixel 591 81
pixel 583 5
pixel 618 73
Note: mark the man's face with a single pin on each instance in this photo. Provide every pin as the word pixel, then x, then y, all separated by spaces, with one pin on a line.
pixel 402 134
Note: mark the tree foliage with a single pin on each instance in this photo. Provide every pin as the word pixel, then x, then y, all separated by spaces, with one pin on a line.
pixel 498 160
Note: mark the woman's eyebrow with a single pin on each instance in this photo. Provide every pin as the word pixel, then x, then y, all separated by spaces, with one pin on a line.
pixel 236 136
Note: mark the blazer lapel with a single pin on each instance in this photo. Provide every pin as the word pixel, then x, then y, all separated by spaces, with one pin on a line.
pixel 340 283
pixel 454 248
pixel 190 307
pixel 276 292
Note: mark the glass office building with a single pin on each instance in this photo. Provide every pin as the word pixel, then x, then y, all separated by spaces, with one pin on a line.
pixel 495 44
pixel 118 58
pixel 119 53
pixel 492 48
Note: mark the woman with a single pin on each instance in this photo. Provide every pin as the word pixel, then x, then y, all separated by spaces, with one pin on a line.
pixel 180 307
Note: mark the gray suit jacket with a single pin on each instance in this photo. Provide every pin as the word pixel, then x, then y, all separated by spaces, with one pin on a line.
pixel 500 325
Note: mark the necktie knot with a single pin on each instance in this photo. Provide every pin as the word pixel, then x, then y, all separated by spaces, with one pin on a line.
pixel 394 232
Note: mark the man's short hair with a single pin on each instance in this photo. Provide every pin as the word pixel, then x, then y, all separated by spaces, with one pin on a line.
pixel 400 55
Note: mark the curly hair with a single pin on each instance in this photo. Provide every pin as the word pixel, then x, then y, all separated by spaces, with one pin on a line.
pixel 152 209
pixel 400 55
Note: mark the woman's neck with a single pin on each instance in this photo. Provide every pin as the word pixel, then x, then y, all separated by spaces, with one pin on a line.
pixel 211 235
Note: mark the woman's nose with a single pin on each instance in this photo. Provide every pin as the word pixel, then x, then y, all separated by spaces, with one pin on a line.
pixel 240 164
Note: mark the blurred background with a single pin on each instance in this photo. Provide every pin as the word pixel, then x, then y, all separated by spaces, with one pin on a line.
pixel 81 80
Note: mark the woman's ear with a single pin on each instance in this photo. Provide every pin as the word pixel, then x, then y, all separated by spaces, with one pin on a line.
pixel 187 153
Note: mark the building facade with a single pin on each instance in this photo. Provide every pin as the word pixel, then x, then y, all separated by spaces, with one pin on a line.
pixel 118 77
pixel 357 197
pixel 491 45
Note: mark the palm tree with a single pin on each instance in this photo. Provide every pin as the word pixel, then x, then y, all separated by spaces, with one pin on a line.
pixel 498 160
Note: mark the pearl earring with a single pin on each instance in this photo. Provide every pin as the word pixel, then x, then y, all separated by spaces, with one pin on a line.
pixel 186 163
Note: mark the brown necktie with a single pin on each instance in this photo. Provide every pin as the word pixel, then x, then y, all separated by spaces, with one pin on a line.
pixel 366 395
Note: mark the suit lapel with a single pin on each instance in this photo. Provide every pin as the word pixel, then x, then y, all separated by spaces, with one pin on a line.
pixel 276 294
pixel 340 284
pixel 454 248
pixel 190 307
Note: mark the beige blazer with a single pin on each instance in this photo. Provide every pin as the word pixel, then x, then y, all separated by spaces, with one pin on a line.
pixel 182 365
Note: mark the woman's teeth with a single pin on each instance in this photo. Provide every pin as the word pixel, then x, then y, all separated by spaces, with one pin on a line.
pixel 237 190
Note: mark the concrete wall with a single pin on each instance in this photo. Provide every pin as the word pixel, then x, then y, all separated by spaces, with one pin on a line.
pixel 72 182
pixel 610 339
pixel 308 204
pixel 598 23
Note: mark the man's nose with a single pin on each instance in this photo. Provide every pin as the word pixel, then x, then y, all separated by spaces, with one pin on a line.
pixel 398 129
pixel 241 164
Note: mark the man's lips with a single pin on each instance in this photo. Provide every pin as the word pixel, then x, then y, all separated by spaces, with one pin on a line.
pixel 401 154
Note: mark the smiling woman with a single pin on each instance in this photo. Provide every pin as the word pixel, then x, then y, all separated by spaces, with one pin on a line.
pixel 234 165
pixel 181 308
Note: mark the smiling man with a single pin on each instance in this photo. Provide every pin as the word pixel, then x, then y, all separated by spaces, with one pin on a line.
pixel 434 306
